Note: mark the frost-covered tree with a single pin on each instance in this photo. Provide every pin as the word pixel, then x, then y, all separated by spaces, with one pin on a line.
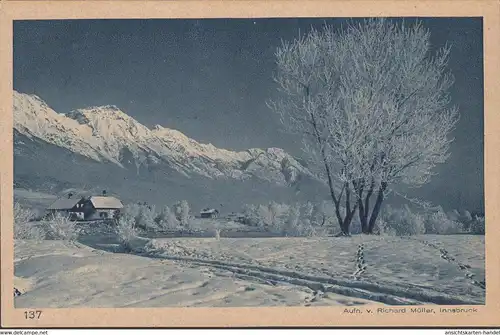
pixel 371 104
pixel 318 215
pixel 147 214
pixel 292 224
pixel 166 219
pixel 141 214
pixel 437 222
pixel 23 227
pixel 402 222
pixel 182 212
pixel 126 231
pixel 60 227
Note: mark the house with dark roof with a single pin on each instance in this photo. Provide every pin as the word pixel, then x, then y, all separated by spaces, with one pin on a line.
pixel 66 207
pixel 87 208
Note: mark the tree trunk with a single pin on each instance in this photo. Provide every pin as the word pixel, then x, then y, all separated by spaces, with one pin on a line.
pixel 347 221
pixel 362 210
pixel 348 216
pixel 364 206
pixel 340 221
pixel 336 201
pixel 377 207
pixel 363 217
pixel 367 206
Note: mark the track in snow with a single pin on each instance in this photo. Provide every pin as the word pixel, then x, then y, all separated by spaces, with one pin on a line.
pixel 411 295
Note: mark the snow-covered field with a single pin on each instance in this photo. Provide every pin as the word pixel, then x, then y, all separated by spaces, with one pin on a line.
pixel 64 274
pixel 235 272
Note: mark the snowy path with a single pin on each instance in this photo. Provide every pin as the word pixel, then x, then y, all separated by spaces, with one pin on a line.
pixel 61 275
pixel 247 272
pixel 399 270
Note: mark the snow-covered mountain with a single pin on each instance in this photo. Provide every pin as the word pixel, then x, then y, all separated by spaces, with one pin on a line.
pixel 106 134
pixel 104 148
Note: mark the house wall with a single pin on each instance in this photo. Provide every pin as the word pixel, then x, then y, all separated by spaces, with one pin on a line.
pixel 71 214
pixel 101 214
pixel 87 209
pixel 63 212
pixel 77 215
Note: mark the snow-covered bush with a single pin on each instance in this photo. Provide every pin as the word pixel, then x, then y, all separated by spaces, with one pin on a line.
pixel 265 217
pixel 272 215
pixel 405 222
pixel 454 215
pixel 318 214
pixel 24 228
pixel 53 227
pixel 323 219
pixel 477 225
pixel 306 211
pixel 464 217
pixel 400 222
pixel 60 227
pixel 131 211
pixel 142 215
pixel 166 219
pixel 467 216
pixel 278 211
pixel 286 220
pixel 291 225
pixel 250 216
pixel 146 218
pixel 439 223
pixel 182 212
pixel 126 231
pixel 470 224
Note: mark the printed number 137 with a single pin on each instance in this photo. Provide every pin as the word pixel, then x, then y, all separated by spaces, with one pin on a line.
pixel 32 314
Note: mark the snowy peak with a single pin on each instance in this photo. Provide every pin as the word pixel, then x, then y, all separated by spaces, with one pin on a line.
pixel 114 129
pixel 109 120
pixel 87 115
pixel 107 134
pixel 34 118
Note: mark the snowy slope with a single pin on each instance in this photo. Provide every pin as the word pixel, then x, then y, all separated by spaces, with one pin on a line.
pixel 35 119
pixel 215 272
pixel 107 134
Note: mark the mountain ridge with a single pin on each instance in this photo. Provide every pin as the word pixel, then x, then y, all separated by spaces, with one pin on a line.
pixel 105 133
pixel 106 148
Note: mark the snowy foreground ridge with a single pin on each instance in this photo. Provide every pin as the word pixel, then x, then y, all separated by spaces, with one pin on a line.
pixel 106 134
pixel 237 272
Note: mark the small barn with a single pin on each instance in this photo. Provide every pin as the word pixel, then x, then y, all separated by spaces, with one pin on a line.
pixel 209 213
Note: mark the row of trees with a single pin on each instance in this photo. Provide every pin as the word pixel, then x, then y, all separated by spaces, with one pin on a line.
pixel 304 220
pixel 406 222
pixel 147 217
pixel 317 219
pixel 371 104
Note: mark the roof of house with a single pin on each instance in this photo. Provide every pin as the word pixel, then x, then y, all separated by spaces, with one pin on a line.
pixel 64 203
pixel 105 202
pixel 208 211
